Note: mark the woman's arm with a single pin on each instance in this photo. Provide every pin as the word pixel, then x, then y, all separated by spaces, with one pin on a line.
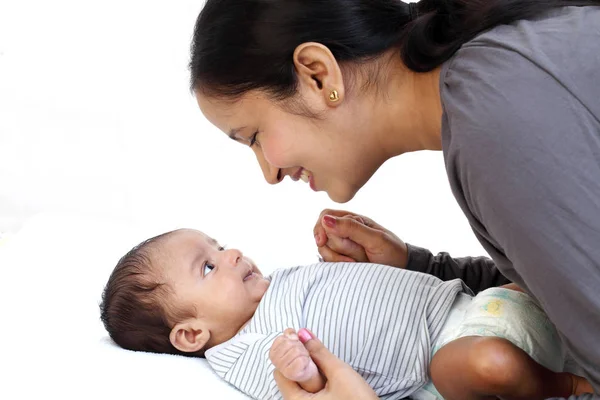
pixel 345 236
pixel 478 273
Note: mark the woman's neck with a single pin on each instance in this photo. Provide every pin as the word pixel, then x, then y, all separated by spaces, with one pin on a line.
pixel 409 113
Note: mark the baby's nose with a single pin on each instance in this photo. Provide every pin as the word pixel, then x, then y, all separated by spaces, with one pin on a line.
pixel 233 257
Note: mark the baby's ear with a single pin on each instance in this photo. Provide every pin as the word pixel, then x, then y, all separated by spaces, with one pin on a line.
pixel 189 336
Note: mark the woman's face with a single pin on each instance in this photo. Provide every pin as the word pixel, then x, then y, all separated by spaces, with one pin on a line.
pixel 333 152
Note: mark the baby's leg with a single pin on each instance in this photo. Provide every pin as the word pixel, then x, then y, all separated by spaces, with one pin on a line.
pixel 473 368
pixel 292 359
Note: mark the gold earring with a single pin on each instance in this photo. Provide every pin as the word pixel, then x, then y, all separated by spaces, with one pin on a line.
pixel 333 96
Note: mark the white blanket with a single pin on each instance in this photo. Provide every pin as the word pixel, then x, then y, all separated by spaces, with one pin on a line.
pixel 53 344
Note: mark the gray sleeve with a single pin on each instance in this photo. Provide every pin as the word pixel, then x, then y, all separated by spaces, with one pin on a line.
pixel 478 273
pixel 525 151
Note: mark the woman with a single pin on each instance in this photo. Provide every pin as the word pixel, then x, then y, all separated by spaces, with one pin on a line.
pixel 327 91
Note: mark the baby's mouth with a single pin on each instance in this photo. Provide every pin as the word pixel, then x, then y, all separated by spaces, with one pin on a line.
pixel 249 275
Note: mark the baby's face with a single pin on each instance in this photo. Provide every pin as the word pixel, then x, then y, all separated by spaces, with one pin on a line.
pixel 222 285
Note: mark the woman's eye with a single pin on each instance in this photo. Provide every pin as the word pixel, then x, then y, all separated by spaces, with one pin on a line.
pixel 208 268
pixel 253 139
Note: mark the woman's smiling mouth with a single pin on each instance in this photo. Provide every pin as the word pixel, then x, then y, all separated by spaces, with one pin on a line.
pixel 306 176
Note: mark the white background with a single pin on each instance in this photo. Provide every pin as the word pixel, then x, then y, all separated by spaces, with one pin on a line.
pixel 96 119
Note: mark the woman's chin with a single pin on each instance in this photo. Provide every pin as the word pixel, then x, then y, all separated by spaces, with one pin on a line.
pixel 341 196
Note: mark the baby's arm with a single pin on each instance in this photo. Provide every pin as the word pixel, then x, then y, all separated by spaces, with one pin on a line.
pixel 291 358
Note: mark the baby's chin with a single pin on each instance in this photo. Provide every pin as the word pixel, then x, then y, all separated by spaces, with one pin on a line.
pixel 261 286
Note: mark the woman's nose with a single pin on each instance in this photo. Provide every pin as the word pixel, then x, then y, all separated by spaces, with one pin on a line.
pixel 273 175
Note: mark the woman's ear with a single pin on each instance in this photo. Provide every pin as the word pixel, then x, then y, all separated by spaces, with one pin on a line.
pixel 189 336
pixel 319 74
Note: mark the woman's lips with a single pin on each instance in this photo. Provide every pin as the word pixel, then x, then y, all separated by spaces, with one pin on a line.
pixel 297 175
pixel 306 176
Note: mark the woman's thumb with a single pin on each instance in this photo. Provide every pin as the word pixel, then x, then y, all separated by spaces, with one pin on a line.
pixel 289 389
pixel 325 360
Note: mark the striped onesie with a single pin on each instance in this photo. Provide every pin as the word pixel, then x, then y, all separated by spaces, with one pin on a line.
pixel 380 320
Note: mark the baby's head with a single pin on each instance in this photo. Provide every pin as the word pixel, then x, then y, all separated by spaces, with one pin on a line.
pixel 180 293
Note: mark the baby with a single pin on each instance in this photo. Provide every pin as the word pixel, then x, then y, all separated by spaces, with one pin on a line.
pixel 403 331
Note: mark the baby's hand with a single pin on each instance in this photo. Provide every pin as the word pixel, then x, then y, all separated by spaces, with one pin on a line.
pixel 335 248
pixel 347 237
pixel 291 358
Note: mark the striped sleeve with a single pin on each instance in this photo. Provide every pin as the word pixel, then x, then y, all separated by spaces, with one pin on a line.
pixel 244 363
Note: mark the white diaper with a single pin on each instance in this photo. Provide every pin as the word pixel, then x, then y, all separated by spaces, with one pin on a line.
pixel 504 313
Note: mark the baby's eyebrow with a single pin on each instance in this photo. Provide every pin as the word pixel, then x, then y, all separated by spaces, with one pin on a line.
pixel 213 241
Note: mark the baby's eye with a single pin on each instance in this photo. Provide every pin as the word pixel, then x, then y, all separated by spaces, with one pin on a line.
pixel 208 268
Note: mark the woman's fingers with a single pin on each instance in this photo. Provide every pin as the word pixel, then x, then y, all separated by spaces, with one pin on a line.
pixel 327 362
pixel 380 245
pixel 319 231
pixel 344 236
pixel 290 390
pixel 342 381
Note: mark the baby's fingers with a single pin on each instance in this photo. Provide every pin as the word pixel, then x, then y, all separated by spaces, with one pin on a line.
pixel 319 231
pixel 347 248
pixel 282 344
pixel 332 256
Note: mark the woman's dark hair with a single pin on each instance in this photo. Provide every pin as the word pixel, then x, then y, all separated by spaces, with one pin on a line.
pixel 242 45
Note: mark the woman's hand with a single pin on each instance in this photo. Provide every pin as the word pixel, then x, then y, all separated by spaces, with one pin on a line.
pixel 342 381
pixel 345 236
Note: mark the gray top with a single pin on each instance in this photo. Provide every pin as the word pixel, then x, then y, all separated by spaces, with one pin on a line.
pixel 521 140
pixel 380 320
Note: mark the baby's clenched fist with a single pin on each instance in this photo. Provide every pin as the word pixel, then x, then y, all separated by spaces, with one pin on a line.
pixel 292 360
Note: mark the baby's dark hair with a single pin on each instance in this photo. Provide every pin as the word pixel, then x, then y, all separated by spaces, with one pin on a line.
pixel 134 306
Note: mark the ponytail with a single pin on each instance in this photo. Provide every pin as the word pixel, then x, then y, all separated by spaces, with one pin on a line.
pixel 443 26
pixel 243 45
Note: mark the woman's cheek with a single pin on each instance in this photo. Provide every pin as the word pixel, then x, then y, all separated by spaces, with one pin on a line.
pixel 278 152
